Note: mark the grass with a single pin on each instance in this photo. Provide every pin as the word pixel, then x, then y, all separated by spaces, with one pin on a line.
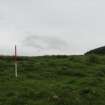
pixel 53 80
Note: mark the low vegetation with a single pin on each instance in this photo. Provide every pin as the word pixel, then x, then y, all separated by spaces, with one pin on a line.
pixel 53 80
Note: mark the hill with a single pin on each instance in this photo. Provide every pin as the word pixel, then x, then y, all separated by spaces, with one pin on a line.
pixel 53 80
pixel 100 50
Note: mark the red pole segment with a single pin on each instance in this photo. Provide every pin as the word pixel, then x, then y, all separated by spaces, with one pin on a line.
pixel 15 54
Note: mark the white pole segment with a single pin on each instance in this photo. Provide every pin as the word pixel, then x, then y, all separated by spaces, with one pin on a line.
pixel 16 70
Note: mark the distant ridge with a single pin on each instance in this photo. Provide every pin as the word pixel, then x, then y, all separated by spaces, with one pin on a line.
pixel 100 50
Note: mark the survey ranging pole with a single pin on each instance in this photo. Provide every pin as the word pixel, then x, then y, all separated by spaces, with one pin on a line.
pixel 16 74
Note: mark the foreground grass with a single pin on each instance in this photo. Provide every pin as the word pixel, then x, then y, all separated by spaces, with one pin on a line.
pixel 53 80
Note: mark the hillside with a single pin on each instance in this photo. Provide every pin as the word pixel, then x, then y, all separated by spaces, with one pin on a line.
pixel 100 50
pixel 53 80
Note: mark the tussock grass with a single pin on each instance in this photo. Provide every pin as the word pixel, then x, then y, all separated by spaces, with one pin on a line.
pixel 53 80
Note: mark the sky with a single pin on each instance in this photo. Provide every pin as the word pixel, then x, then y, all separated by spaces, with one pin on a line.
pixel 47 27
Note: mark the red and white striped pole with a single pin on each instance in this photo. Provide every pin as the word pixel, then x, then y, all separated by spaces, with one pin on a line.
pixel 16 74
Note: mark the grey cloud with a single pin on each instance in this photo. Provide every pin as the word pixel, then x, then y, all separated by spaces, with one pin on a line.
pixel 54 15
pixel 45 42
pixel 2 15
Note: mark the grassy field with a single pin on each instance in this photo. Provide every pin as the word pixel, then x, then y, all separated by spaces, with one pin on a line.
pixel 53 80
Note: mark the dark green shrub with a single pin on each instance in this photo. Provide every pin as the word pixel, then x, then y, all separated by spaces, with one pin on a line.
pixel 70 72
pixel 91 59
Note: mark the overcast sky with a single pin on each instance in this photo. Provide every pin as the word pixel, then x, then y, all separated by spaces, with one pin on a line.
pixel 41 27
